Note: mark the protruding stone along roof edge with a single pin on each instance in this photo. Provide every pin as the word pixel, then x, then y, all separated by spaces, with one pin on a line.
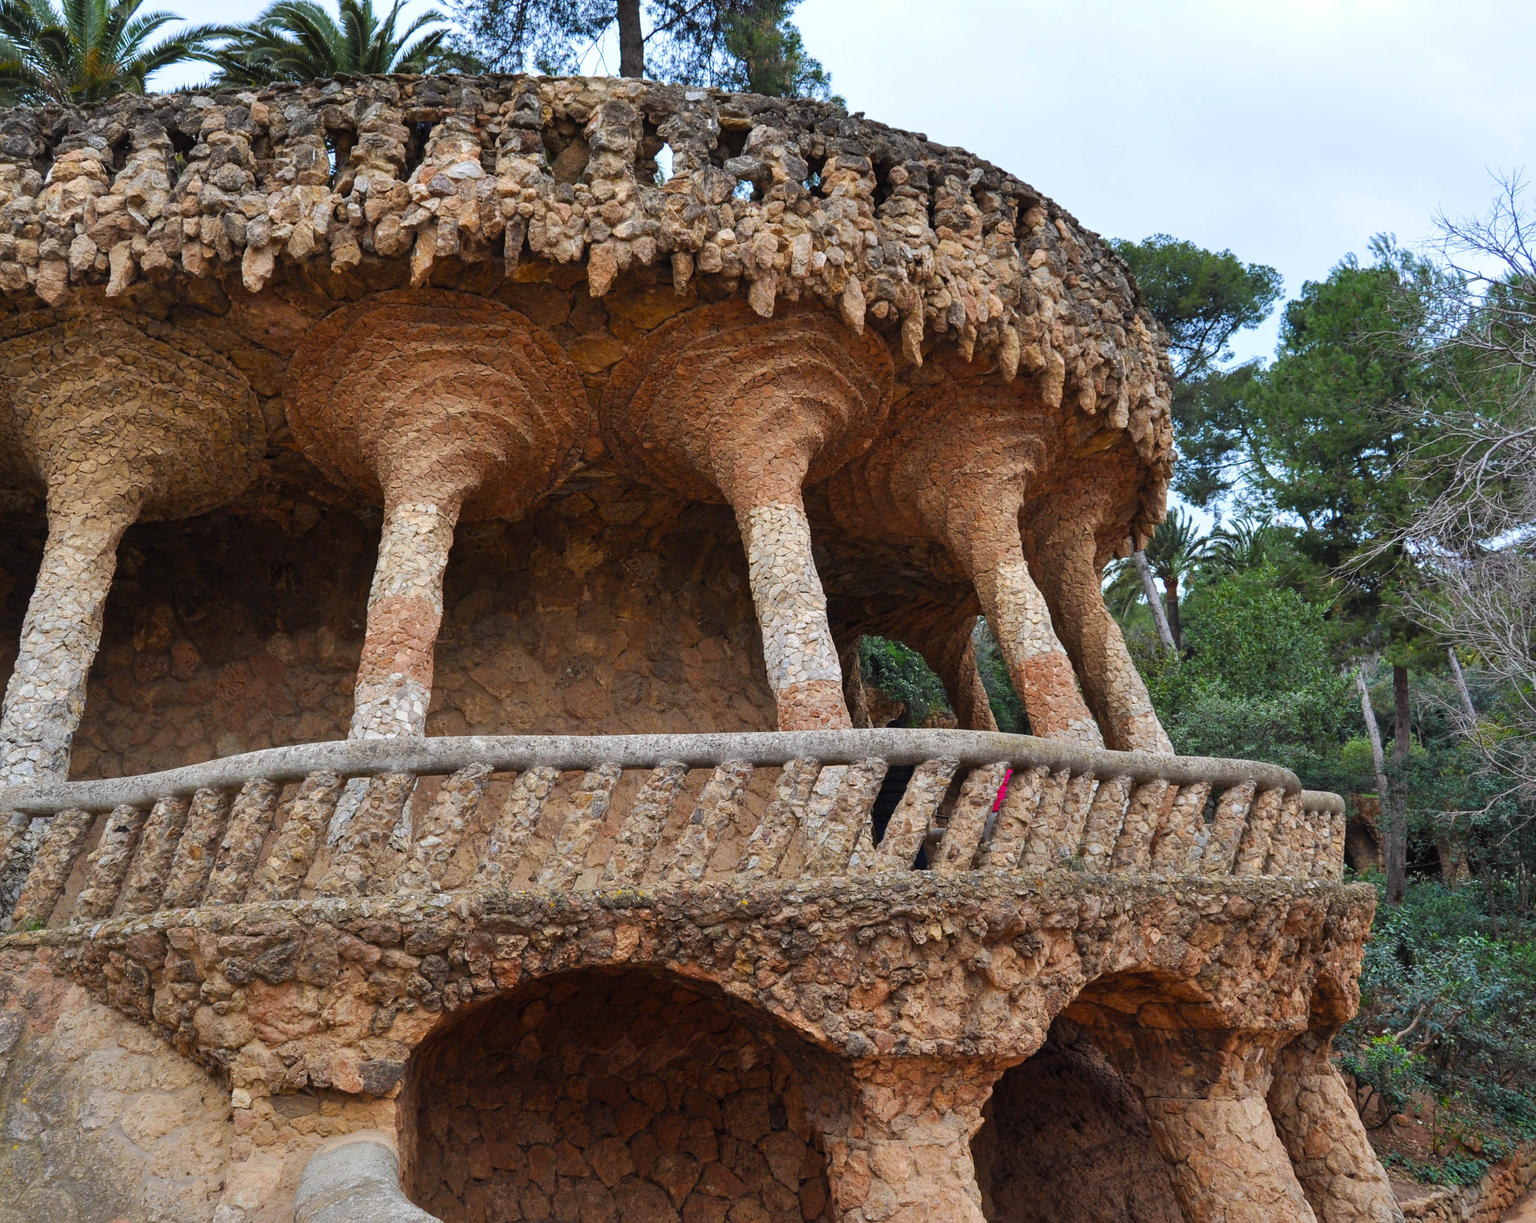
pixel 873 222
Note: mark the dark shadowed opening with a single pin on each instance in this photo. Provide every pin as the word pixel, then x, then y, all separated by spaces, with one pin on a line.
pixel 606 1097
pixel 1065 1141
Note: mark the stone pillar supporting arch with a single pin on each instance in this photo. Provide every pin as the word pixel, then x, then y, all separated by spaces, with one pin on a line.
pixel 721 404
pixel 118 419
pixel 897 1133
pixel 1204 1093
pixel 954 468
pixel 1317 1120
pixel 441 406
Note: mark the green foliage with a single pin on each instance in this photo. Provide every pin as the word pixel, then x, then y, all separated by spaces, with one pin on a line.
pixel 903 676
pixel 1202 298
pixel 298 40
pixel 1256 679
pixel 734 44
pixel 86 51
pixel 1384 1068
pixel 1007 709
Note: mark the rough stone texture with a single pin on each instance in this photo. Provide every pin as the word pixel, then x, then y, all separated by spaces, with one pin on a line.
pixel 608 1097
pixel 462 328
pixel 1504 1185
pixel 1066 1141
pixel 101 1120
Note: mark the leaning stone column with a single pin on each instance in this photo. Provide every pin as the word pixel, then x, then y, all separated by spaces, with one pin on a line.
pixel 1204 1097
pixel 117 424
pixel 722 405
pixel 1318 1122
pixel 897 1136
pixel 439 405
pixel 954 467
pixel 1062 539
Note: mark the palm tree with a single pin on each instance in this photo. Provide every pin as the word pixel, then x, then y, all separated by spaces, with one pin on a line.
pixel 1175 550
pixel 297 40
pixel 86 51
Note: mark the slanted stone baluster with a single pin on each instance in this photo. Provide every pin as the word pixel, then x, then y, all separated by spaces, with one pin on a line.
pixel 1067 836
pixel 643 825
pixel 515 825
pixel 18 845
pixel 200 839
pixel 897 1136
pixel 1106 815
pixel 589 807
pixel 718 806
pixel 847 820
pixel 250 819
pixel 1015 818
pixel 1316 1117
pixel 772 838
pixel 1262 819
pixel 108 863
pixel 910 822
pixel 441 405
pixel 1176 848
pixel 1227 828
pixel 151 867
pixel 1133 849
pixel 968 819
pixel 1204 1097
pixel 377 827
pixel 722 405
pixel 61 846
pixel 1039 852
pixel 283 872
pixel 442 830
pixel 117 425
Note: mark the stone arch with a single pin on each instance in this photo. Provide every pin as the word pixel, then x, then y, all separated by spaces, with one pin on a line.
pixel 608 1095
pixel 1065 1140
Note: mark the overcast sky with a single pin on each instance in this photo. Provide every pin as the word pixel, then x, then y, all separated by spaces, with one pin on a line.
pixel 1289 132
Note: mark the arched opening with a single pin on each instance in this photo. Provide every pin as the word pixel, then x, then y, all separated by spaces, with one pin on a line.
pixel 1065 1141
pixel 609 1097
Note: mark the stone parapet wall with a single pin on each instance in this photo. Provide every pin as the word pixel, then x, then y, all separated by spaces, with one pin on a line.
pixel 1488 1201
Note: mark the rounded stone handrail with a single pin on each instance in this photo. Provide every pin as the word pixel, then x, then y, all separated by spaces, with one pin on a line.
pixel 362 758
pixel 355 1179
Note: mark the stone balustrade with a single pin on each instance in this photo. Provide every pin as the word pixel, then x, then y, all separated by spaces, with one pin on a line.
pixel 624 811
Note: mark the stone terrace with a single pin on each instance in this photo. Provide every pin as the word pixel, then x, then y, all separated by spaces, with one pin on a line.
pixel 436 764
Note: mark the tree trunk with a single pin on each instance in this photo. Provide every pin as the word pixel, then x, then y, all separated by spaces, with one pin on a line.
pixel 1402 717
pixel 1468 710
pixel 1171 598
pixel 1149 588
pixel 631 39
pixel 1394 840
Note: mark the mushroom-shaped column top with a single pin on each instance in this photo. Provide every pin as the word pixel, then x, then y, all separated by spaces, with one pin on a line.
pixel 440 405
pixel 437 396
pixel 106 409
pixel 724 405
pixel 953 466
pixel 118 418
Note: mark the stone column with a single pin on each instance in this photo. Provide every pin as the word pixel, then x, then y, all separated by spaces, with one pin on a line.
pixel 405 612
pixel 115 424
pixel 1317 1120
pixel 45 698
pixel 897 1136
pixel 723 405
pixel 441 406
pixel 1204 1097
pixel 1063 548
pixel 987 543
